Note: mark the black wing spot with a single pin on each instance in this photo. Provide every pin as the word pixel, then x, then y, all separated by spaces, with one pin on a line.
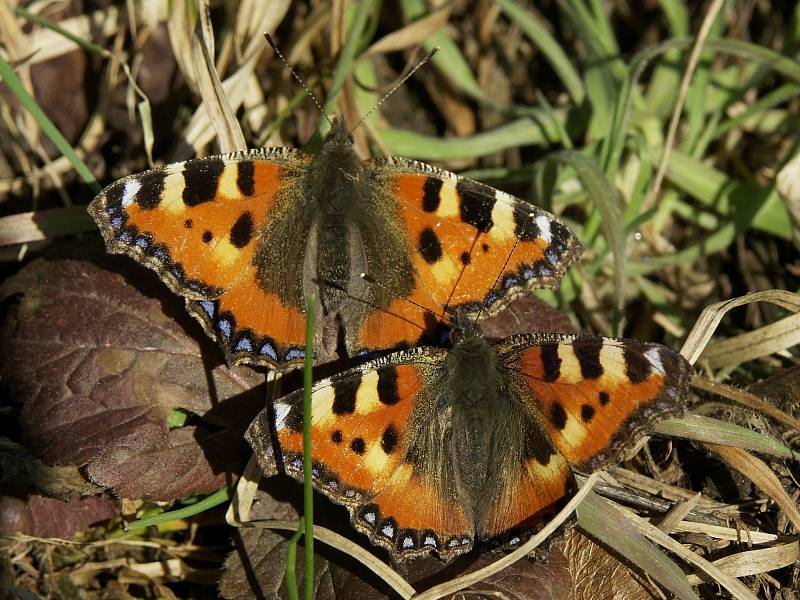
pixel 431 198
pixel 358 446
pixel 389 439
pixel 201 178
pixel 242 230
pixel 485 247
pixel 525 226
pixel 207 236
pixel 429 246
pixel 477 202
pixel 604 398
pixel 244 177
pixel 336 437
pixel 588 353
pixel 558 416
pixel 551 362
pixel 587 413
pixel 188 223
pixel 637 368
pixel 149 194
pixel 387 386
pixel 344 396
pixel 465 258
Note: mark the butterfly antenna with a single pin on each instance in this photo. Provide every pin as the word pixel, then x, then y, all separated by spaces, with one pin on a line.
pixel 372 281
pixel 500 274
pixel 395 87
pixel 299 79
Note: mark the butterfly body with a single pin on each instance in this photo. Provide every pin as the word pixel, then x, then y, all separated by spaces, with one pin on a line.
pixel 248 237
pixel 431 449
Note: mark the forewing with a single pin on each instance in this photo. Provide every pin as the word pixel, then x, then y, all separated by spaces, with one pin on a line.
pixel 198 224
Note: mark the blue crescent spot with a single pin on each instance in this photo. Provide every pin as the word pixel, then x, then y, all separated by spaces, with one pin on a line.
pixel 142 242
pixel 269 350
pixel 552 255
pixel 161 254
pixel 125 236
pixel 116 222
pixel 510 281
pixel 208 307
pixel 528 273
pixel 294 353
pixel 491 298
pixel 244 345
pixel 545 270
pixel 225 327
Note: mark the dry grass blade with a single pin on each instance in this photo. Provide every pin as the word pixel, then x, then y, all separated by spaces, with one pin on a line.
pixel 711 316
pixel 770 339
pixel 757 471
pixel 733 534
pixel 215 101
pixel 754 562
pixel 412 34
pixel 382 570
pixel 747 399
pixel 736 588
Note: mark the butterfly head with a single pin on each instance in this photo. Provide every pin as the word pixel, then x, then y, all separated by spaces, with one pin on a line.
pixel 338 136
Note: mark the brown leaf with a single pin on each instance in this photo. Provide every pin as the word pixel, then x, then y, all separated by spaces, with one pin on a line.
pixel 21 473
pixel 527 315
pixel 98 362
pixel 47 517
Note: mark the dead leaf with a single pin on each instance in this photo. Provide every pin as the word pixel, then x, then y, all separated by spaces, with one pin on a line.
pixel 98 353
pixel 47 517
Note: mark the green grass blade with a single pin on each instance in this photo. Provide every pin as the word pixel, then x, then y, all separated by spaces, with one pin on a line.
pixel 219 497
pixel 554 54
pixel 16 87
pixel 289 574
pixel 308 490
pixel 606 199
pixel 522 132
pixel 448 60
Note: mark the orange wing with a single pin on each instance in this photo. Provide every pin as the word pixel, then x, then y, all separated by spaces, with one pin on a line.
pixel 197 224
pixel 462 237
pixel 596 396
pixel 360 440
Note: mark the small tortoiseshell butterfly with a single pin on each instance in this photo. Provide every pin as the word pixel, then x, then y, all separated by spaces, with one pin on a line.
pixel 430 449
pixel 247 237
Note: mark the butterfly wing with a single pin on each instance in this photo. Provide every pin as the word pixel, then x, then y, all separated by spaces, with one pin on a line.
pixel 587 399
pixel 366 426
pixel 198 224
pixel 462 237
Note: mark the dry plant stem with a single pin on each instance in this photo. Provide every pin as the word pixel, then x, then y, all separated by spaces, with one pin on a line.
pixel 691 65
pixel 747 399
pixel 733 585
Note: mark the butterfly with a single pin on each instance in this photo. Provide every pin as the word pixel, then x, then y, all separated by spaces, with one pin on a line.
pixel 431 449
pixel 248 237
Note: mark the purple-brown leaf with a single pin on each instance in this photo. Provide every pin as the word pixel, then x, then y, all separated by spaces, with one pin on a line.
pixel 98 353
